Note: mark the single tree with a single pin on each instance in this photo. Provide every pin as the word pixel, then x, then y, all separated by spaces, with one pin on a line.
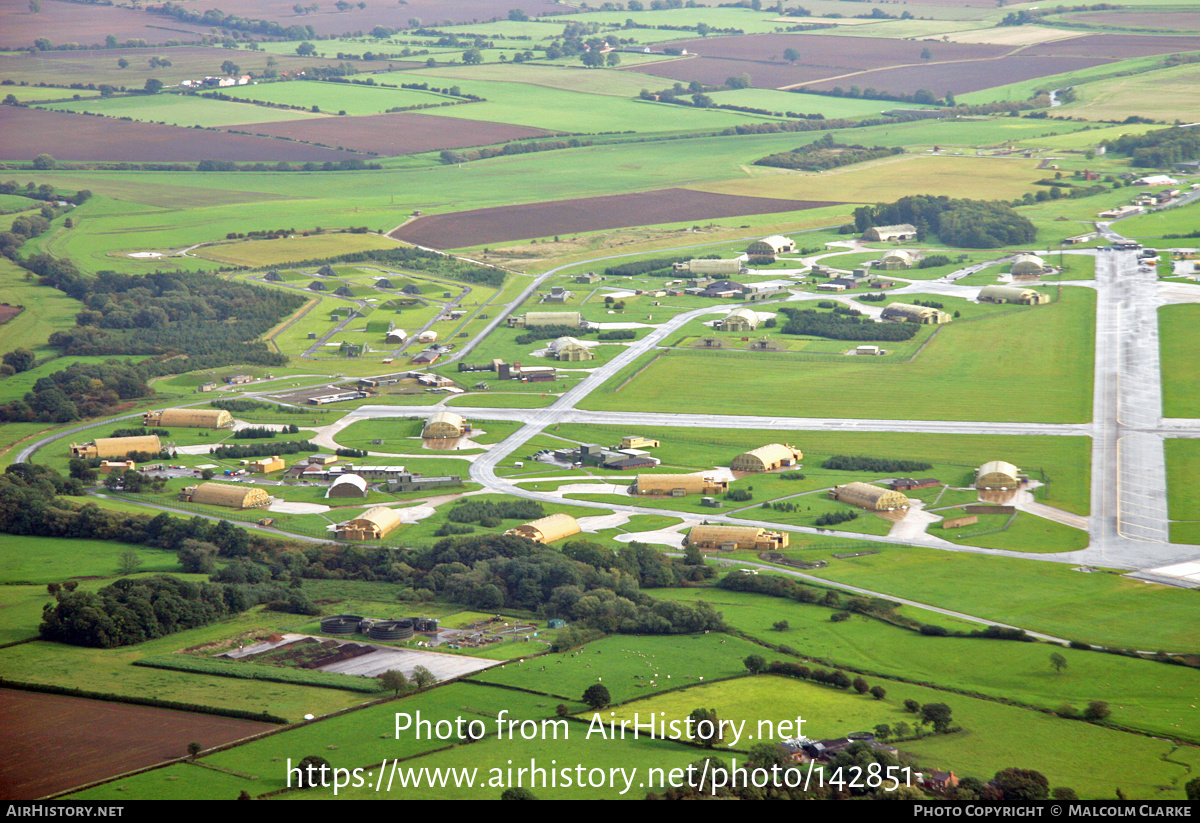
pixel 122 63
pixel 394 681
pixel 912 706
pixel 860 685
pixel 35 6
pixel 1021 785
pixel 306 49
pixel 791 55
pixel 883 731
pixel 23 359
pixel 230 68
pixel 194 749
pixel 128 562
pixel 937 715
pixel 780 626
pixel 562 710
pixel 926 54
pixel 1058 662
pixel 597 696
pixel 244 795
pixel 518 793
pixel 1096 710
pixel 755 663
pixel 314 770
pixel 423 677
pixel 878 692
pixel 153 85
pixel 1192 789
pixel 472 57
pixel 706 728
pixel 44 162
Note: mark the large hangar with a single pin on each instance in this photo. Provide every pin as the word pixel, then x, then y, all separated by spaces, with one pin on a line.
pixel 189 418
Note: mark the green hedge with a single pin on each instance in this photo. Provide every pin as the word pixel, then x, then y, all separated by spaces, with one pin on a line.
pixel 258 671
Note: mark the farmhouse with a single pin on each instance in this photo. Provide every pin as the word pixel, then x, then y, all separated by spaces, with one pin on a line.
pixel 733 538
pixel 222 494
pixel 740 320
pixel 678 485
pixel 373 524
pixel 548 529
pixel 348 485
pixel 767 458
pixel 189 418
pixel 1013 294
pixel 445 424
pixel 106 447
pixel 569 349
pixel 908 313
pixel 771 246
pixel 866 496
pixel 901 231
pixel 710 267
pixel 1029 264
pixel 895 259
pixel 537 319
pixel 997 474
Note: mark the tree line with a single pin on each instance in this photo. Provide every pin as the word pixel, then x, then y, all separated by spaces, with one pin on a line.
pixel 840 326
pixel 977 224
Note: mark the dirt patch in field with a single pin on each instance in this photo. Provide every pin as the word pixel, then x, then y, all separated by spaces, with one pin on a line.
pixel 395 134
pixel 960 78
pixel 1115 46
pixel 79 137
pixel 85 24
pixel 55 743
pixel 8 312
pixel 479 226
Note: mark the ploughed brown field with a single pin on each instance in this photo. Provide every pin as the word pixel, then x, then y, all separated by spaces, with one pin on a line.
pixel 1116 46
pixel 80 137
pixel 1138 19
pixel 960 78
pixel 394 134
pixel 618 211
pixel 86 25
pixel 327 20
pixel 829 50
pixel 713 71
pixel 54 743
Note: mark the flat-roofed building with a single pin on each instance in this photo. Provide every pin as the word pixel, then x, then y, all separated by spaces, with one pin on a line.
pixel 548 529
pixel 1013 294
pixel 867 496
pixel 636 441
pixel 678 485
pixel 107 447
pixel 733 538
pixel 189 418
pixel 444 424
pixel 225 494
pixel 908 313
pixel 348 485
pixel 110 466
pixel 997 474
pixel 373 524
pixel 767 458
pixel 266 465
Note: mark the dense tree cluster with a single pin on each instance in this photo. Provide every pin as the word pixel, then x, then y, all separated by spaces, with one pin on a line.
pixel 1162 148
pixel 241 452
pixel 214 18
pixel 468 510
pixel 843 326
pixel 80 390
pixel 976 224
pixel 875 465
pixel 136 610
pixel 655 265
pixel 823 153
pixel 420 260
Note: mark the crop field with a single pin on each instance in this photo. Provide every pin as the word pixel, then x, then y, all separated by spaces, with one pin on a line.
pixel 78 137
pixel 1149 20
pixel 784 101
pixel 962 77
pixel 396 134
pixel 330 98
pixel 1167 94
pixel 106 739
pixel 261 253
pixel 64 24
pixel 588 81
pixel 1177 327
pixel 1115 46
pixel 892 177
pixel 478 226
pixel 1056 388
pixel 177 110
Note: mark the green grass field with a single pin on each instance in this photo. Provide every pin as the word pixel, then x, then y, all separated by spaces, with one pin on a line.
pixel 962 372
pixel 1177 337
pixel 1168 221
pixel 1183 467
pixel 331 98
pixel 180 110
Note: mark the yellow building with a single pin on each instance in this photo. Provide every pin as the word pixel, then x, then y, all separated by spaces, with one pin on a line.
pixel 189 418
pixel 548 529
pixel 732 538
pixel 223 494
pixel 110 466
pixel 634 441
pixel 767 458
pixel 444 424
pixel 866 496
pixel 997 474
pixel 373 524
pixel 106 447
pixel 266 465
pixel 677 485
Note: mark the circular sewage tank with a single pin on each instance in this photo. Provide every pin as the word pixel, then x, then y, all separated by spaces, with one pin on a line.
pixel 340 624
pixel 392 630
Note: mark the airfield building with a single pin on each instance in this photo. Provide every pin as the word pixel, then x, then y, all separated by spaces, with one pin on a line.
pixel 740 320
pixel 537 319
pixel 548 529
pixel 1028 264
pixel 908 313
pixel 106 447
pixel 771 246
pixel 733 538
pixel 866 496
pixel 1013 294
pixel 895 259
pixel 224 494
pixel 348 485
pixel 997 474
pixel 767 458
pixel 901 231
pixel 678 485
pixel 444 424
pixel 569 349
pixel 373 524
pixel 189 418
pixel 718 268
